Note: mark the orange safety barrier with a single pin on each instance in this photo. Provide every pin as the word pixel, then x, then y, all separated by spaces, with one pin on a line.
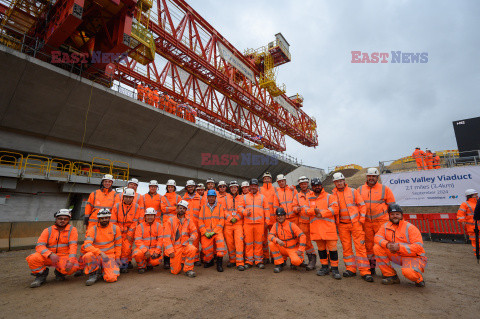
pixel 443 227
pixel 419 221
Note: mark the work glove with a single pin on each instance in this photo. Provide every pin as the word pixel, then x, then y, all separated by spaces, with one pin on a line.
pixel 68 266
pixel 233 220
pixel 54 258
pixel 280 242
pixel 208 235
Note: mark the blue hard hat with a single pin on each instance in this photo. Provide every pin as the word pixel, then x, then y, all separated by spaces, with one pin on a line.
pixel 211 192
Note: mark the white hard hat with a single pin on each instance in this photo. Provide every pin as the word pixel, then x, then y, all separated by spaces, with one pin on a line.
pixel 210 180
pixel 104 212
pixel 280 177
pixel 338 176
pixel 245 184
pixel 222 183
pixel 153 183
pixel 200 186
pixel 183 203
pixel 133 180
pixel 150 211
pixel 63 212
pixel 107 177
pixel 267 174
pixel 190 182
pixel 233 183
pixel 373 171
pixel 171 182
pixel 129 192
pixel 470 191
pixel 303 179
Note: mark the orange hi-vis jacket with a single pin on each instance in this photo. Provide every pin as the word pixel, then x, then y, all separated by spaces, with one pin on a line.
pixel 61 242
pixel 302 200
pixel 149 237
pixel 126 217
pixel 222 199
pixel 268 190
pixel 231 209
pixel 465 214
pixel 211 219
pixel 154 200
pixel 429 159
pixel 104 239
pixel 436 162
pixel 169 203
pixel 377 199
pixel 351 205
pixel 406 234
pixel 323 228
pixel 193 206
pixel 138 199
pixel 284 198
pixel 289 233
pixel 176 234
pixel 254 209
pixel 418 155
pixel 101 198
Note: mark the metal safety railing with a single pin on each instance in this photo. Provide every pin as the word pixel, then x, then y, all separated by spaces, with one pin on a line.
pixel 449 158
pixel 33 164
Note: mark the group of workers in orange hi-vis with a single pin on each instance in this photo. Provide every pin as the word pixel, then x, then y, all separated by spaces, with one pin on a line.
pixel 151 96
pixel 426 160
pixel 236 220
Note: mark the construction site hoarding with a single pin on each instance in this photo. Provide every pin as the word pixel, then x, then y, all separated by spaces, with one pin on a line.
pixel 230 58
pixel 435 187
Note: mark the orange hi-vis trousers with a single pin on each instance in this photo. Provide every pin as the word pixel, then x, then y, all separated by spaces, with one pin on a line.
pixel 280 254
pixel 354 231
pixel 234 238
pixel 331 246
pixel 371 228
pixel 183 254
pixel 143 262
pixel 37 263
pixel 253 243
pixel 208 244
pixel 306 230
pixel 412 267
pixel 110 269
pixel 126 254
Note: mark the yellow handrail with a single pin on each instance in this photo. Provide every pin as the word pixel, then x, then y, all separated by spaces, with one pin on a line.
pixel 16 163
pixel 41 167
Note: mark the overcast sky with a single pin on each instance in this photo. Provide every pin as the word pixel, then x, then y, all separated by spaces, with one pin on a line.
pixel 366 112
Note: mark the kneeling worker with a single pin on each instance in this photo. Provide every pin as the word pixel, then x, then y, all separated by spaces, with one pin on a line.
pixel 179 233
pixel 400 242
pixel 57 247
pixel 285 239
pixel 149 241
pixel 103 244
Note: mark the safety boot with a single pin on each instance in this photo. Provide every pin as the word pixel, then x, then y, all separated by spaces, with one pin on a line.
pixel 335 274
pixel 391 280
pixel 323 271
pixel 92 278
pixel 420 284
pixel 59 276
pixel 190 274
pixel 79 273
pixel 197 263
pixel 124 269
pixel 261 266
pixel 312 260
pixel 367 278
pixel 247 266
pixel 220 264
pixel 209 264
pixel 141 270
pixel 348 274
pixel 149 268
pixel 230 265
pixel 130 265
pixel 166 262
pixel 266 261
pixel 372 271
pixel 278 268
pixel 241 268
pixel 40 279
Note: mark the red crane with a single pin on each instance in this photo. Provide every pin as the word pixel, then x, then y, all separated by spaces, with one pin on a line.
pixel 171 48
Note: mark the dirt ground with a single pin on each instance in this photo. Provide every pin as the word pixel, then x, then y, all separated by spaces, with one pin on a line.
pixel 452 277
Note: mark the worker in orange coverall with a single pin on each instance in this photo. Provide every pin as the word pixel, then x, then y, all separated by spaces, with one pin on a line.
pixel 233 231
pixel 169 207
pixel 466 212
pixel 400 242
pixel 268 190
pixel 436 161
pixel 286 240
pixel 323 211
pixel 193 199
pixel 419 157
pixel 178 236
pixel 126 215
pixel 283 198
pixel 101 198
pixel 429 159
pixel 350 228
pixel 148 242
pixel 153 199
pixel 377 197
pixel 103 243
pixel 57 247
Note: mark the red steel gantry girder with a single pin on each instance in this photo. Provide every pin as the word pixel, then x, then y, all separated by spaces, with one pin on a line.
pixel 197 73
